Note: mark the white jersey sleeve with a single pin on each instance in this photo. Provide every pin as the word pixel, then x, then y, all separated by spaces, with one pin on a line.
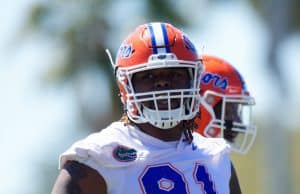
pixel 97 147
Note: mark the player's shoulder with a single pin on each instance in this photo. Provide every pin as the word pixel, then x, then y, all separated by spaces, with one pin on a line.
pixel 211 145
pixel 98 146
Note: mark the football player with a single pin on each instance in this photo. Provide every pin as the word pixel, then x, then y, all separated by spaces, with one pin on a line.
pixel 153 148
pixel 226 106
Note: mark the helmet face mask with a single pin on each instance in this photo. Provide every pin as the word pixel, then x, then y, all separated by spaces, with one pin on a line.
pixel 162 108
pixel 231 118
pixel 158 47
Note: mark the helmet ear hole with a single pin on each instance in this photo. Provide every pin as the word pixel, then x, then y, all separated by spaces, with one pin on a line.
pixel 209 99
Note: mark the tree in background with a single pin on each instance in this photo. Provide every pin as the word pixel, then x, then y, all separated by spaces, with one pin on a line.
pixel 82 28
pixel 282 19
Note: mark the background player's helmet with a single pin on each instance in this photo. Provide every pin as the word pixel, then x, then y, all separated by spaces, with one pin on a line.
pixel 226 105
pixel 154 46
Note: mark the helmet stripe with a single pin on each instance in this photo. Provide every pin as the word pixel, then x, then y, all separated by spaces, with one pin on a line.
pixel 152 37
pixel 165 35
pixel 159 38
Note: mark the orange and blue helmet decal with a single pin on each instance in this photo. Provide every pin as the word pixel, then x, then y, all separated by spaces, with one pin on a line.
pixel 125 51
pixel 215 79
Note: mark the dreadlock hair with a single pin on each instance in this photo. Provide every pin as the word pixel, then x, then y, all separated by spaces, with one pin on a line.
pixel 189 126
pixel 125 119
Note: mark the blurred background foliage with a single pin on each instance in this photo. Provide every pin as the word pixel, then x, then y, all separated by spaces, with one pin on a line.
pixel 83 29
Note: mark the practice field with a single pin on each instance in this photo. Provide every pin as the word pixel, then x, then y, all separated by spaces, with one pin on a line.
pixel 251 168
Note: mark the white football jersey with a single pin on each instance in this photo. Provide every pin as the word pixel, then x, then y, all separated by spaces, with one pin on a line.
pixel 132 162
